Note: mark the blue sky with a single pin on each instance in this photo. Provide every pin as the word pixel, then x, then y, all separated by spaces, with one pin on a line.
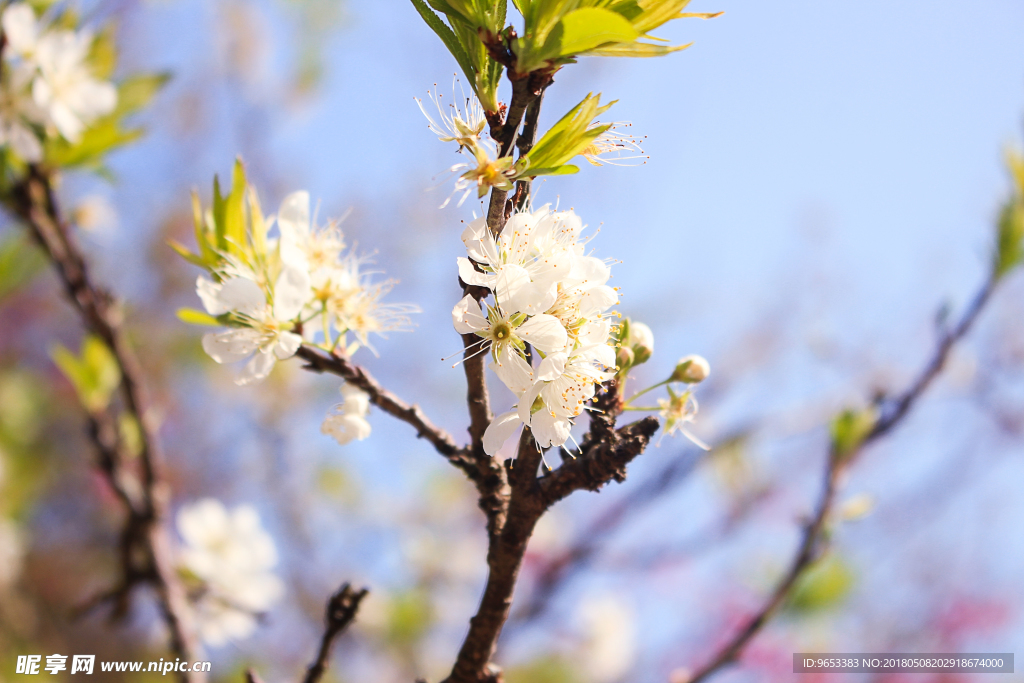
pixel 830 167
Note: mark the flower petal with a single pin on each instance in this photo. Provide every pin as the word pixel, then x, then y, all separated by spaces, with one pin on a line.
pixel 545 332
pixel 467 316
pixel 257 368
pixel 598 300
pixel 472 276
pixel 287 344
pixel 513 371
pixel 234 294
pixel 552 367
pixel 232 345
pixel 550 429
pixel 500 429
pixel 291 292
pixel 293 222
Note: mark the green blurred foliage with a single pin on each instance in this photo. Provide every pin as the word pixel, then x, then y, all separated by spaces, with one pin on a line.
pixel 849 429
pixel 94 373
pixel 24 402
pixel 20 261
pixel 410 614
pixel 546 669
pixel 822 587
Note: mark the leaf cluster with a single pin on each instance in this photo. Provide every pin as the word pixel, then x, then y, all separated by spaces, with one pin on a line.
pixel 93 373
pixel 233 227
pixel 554 33
pixel 573 133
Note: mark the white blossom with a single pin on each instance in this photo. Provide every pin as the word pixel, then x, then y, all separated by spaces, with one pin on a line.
pixel 608 645
pixel 613 147
pixel 50 83
pixel 548 293
pixel 65 88
pixel 229 558
pixel 346 421
pixel 463 125
pixel 679 410
pixel 19 112
pixel 342 293
pixel 266 335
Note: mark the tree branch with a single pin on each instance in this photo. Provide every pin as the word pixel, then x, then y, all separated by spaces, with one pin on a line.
pixel 341 610
pixel 811 545
pixel 412 415
pixel 143 495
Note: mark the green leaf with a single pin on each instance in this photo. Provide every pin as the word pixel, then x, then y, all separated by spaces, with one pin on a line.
pixel 135 92
pixel 195 317
pixel 218 216
pixel 183 252
pixel 587 28
pixel 1009 238
pixel 102 56
pixel 636 50
pixel 19 263
pixel 95 375
pixel 566 169
pixel 821 587
pixel 570 136
pixel 102 137
pixel 447 37
pixel 850 429
pixel 234 210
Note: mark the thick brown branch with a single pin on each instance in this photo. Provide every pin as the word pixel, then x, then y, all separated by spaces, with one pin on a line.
pixel 341 610
pixel 530 498
pixel 145 495
pixel 811 542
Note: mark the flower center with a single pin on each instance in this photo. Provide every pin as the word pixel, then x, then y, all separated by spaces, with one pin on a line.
pixel 501 331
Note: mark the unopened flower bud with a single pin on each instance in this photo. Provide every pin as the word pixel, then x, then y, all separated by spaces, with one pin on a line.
pixel 641 341
pixel 691 369
pixel 625 357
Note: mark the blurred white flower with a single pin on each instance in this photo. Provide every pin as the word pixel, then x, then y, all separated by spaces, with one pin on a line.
pixel 64 86
pixel 12 552
pixel 228 557
pixel 18 112
pixel 608 643
pixel 346 421
pixel 21 30
pixel 678 410
pixel 95 213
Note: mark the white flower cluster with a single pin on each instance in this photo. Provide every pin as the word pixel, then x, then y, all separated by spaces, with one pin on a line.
pixel 46 82
pixel 302 286
pixel 227 561
pixel 547 293
pixel 347 421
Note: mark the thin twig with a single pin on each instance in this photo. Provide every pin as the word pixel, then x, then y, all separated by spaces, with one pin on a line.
pixel 143 495
pixel 341 610
pixel 412 415
pixel 811 543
